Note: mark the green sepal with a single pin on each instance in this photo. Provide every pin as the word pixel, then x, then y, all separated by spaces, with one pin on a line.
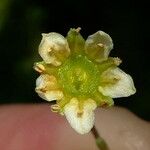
pixel 76 41
pixel 103 101
pixel 109 63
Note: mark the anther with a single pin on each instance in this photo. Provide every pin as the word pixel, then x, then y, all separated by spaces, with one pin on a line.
pixel 78 29
pixel 117 61
pixel 39 67
pixel 79 114
pixel 55 108
pixel 100 44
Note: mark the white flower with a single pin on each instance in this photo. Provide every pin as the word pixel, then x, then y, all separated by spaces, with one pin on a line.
pixel 80 76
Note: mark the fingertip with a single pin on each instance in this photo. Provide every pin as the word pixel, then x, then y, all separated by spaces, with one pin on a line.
pixel 122 129
pixel 28 127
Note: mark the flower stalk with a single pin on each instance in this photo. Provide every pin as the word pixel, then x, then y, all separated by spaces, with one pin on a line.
pixel 100 142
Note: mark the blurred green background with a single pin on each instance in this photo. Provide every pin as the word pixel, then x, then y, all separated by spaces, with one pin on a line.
pixel 23 21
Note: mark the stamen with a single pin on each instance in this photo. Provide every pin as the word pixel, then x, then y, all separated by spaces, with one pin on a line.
pixel 43 90
pixel 79 114
pixel 39 67
pixel 117 61
pixel 55 108
pixel 78 29
pixel 100 44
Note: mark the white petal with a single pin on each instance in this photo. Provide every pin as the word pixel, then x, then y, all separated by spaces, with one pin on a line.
pixel 123 87
pixel 80 120
pixel 54 48
pixel 47 88
pixel 98 45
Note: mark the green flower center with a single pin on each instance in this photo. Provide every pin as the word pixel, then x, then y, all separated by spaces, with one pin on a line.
pixel 79 76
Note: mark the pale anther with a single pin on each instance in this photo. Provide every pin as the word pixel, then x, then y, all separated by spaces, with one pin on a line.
pixel 39 67
pixel 55 108
pixel 78 29
pixel 117 61
pixel 100 44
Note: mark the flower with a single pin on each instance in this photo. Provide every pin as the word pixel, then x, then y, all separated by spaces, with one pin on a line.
pixel 80 76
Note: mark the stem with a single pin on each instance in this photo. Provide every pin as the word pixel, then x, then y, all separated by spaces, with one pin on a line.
pixel 100 142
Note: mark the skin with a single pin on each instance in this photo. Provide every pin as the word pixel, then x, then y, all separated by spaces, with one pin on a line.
pixel 35 127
